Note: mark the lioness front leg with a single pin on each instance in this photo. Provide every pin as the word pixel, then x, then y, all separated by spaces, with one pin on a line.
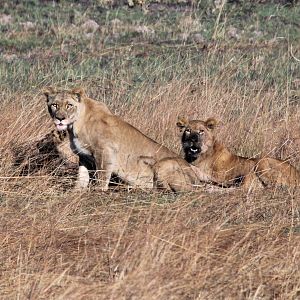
pixel 105 167
pixel 104 175
pixel 86 171
pixel 83 178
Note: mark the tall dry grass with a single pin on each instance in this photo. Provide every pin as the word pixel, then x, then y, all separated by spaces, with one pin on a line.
pixel 58 244
pixel 150 66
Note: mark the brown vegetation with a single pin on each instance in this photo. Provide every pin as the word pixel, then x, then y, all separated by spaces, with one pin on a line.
pixel 238 62
pixel 210 244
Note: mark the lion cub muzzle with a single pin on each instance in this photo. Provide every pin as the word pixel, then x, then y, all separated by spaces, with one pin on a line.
pixel 192 145
pixel 197 137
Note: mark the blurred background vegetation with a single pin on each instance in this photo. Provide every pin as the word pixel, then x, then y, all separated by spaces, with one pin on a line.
pixel 56 42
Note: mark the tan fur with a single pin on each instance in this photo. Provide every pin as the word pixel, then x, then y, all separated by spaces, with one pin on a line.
pixel 104 142
pixel 225 168
pixel 273 171
pixel 173 174
pixel 208 160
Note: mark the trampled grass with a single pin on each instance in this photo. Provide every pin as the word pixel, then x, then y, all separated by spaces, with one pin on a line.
pixel 150 65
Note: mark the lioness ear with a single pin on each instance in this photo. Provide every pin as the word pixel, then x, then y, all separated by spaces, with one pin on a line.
pixel 211 123
pixel 48 92
pixel 79 93
pixel 182 122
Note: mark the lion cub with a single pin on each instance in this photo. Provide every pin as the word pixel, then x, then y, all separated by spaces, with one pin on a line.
pixel 104 143
pixel 202 150
pixel 208 160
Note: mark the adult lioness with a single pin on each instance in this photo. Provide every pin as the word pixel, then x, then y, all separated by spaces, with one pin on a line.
pixel 201 149
pixel 103 141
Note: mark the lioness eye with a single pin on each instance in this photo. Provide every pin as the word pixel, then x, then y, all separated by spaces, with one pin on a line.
pixel 54 105
pixel 69 106
pixel 201 131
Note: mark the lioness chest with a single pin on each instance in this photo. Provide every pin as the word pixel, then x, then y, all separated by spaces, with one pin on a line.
pixel 77 146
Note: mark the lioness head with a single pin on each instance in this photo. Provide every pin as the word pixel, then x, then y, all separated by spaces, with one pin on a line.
pixel 197 137
pixel 63 106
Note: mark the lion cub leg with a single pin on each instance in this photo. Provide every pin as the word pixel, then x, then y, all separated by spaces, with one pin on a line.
pixel 276 172
pixel 174 174
pixel 104 176
pixel 251 182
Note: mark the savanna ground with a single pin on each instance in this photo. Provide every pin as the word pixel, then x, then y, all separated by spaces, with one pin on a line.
pixel 237 61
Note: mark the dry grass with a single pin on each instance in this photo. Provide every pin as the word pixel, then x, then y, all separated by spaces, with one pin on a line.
pixel 120 246
pixel 209 244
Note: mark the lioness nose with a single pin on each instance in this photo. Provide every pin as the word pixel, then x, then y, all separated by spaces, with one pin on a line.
pixel 59 118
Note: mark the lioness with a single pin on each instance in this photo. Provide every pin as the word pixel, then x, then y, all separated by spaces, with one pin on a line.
pixel 208 160
pixel 104 142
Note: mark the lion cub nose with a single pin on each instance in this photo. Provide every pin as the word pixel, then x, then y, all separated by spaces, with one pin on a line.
pixel 195 138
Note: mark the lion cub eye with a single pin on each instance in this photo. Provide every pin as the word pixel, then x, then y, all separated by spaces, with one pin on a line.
pixel 201 132
pixel 54 105
pixel 188 130
pixel 69 106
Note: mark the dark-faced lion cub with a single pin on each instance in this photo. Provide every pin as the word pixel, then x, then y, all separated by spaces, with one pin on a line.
pixel 208 160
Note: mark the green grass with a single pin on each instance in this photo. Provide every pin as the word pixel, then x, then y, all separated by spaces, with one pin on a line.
pixel 85 57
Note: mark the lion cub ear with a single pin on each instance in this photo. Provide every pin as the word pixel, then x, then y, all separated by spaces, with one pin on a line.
pixel 182 122
pixel 48 92
pixel 79 93
pixel 211 123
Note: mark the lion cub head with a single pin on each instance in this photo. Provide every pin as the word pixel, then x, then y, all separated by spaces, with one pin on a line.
pixel 63 106
pixel 197 136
